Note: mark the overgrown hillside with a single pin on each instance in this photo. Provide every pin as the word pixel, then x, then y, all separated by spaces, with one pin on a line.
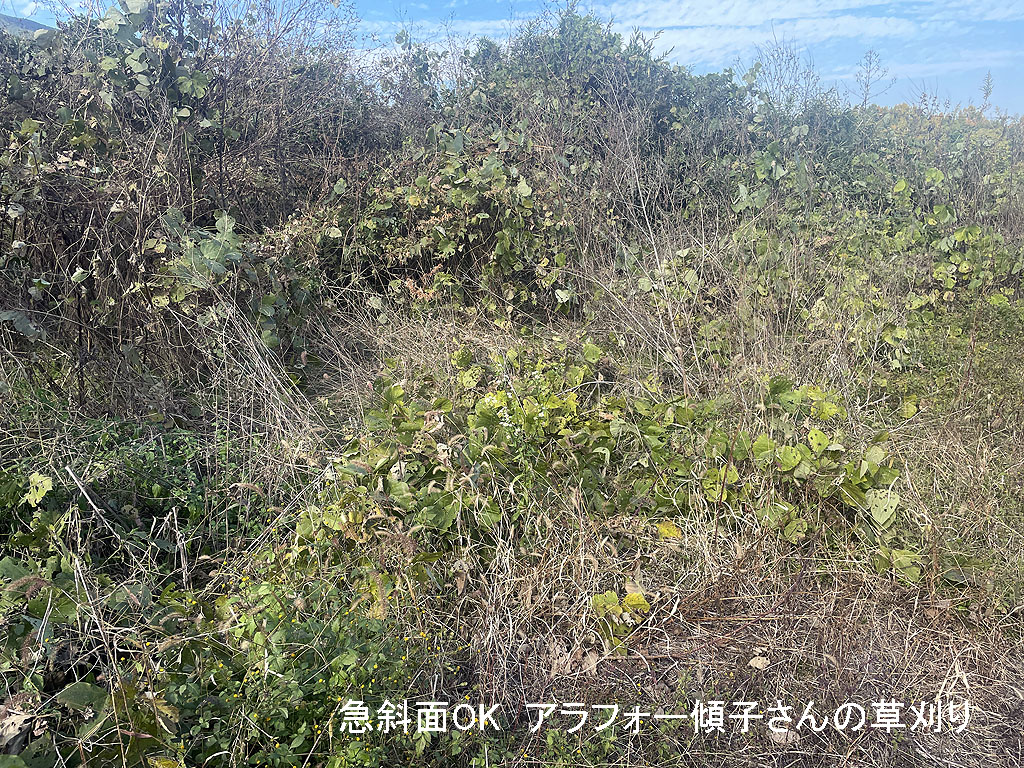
pixel 520 373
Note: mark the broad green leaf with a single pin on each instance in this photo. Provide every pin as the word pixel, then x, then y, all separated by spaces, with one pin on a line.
pixel 906 562
pixel 882 505
pixel 636 603
pixel 21 322
pixel 818 440
pixel 605 602
pixel 763 449
pixel 470 377
pixel 82 695
pixel 38 486
pixel 795 531
pixel 12 570
pixel 788 457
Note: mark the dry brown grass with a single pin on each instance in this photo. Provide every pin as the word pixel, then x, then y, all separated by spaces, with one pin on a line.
pixel 728 591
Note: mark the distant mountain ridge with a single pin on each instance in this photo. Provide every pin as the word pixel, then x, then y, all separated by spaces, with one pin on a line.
pixel 20 27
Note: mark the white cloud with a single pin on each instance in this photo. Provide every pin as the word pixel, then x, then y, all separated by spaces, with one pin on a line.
pixel 716 34
pixel 712 34
pixel 663 14
pixel 967 11
pixel 719 44
pixel 945 63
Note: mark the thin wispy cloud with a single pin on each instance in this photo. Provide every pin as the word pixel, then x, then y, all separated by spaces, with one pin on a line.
pixel 721 45
pixel 713 34
pixel 730 13
pixel 937 66
pixel 956 40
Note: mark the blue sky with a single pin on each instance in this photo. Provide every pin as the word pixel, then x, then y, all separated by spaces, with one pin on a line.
pixel 942 46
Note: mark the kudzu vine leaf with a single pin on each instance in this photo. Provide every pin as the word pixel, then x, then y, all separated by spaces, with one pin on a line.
pixel 818 440
pixel 763 449
pixel 882 506
pixel 38 486
pixel 636 603
pixel 604 602
pixel 795 531
pixel 21 322
pixel 906 562
pixel 82 695
pixel 788 457
pixel 873 457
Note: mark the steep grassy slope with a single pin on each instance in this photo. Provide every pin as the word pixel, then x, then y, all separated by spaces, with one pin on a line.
pixel 547 372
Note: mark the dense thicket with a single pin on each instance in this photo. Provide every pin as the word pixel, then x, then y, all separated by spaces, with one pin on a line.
pixel 500 169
